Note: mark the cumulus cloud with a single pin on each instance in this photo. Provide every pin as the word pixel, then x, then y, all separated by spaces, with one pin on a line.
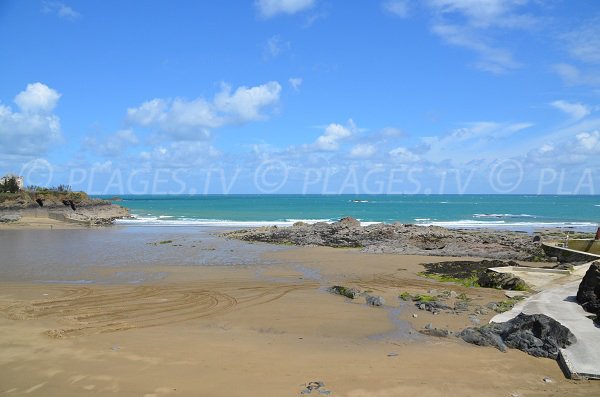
pixel 33 128
pixel 191 119
pixel 37 98
pixel 363 150
pixel 114 145
pixel 574 109
pixel 399 8
pixel 60 9
pixel 334 135
pixel 271 8
pixel 581 149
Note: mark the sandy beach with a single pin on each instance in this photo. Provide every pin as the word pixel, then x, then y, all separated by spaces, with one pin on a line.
pixel 256 329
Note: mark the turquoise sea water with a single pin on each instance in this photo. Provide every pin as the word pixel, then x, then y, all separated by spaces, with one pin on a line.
pixel 521 212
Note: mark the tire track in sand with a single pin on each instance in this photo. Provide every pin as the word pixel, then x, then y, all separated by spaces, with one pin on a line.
pixel 90 310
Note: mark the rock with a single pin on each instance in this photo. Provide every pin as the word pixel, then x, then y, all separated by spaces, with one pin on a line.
pixel 415 315
pixel 536 334
pixel 398 238
pixel 474 319
pixel 349 222
pixel 9 218
pixel 374 300
pixel 440 333
pixel 493 279
pixel 548 380
pixel 351 293
pixel 433 306
pixel 588 294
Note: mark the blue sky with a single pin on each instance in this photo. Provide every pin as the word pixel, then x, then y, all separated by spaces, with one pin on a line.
pixel 302 96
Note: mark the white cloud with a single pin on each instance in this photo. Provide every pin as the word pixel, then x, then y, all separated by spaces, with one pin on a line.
pixel 398 8
pixel 30 131
pixel 582 150
pixel 334 135
pixel 180 155
pixel 588 142
pixel 486 13
pixel 575 110
pixel 362 151
pixel 404 155
pixel 270 8
pixel 480 19
pixel 190 120
pixel 295 82
pixel 37 98
pixel 114 144
pixel 491 59
pixel 572 75
pixel 583 42
pixel 275 46
pixel 474 141
pixel 60 9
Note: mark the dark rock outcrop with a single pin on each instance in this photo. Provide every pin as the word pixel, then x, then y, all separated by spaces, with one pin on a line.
pixel 536 334
pixel 374 300
pixel 588 294
pixel 351 293
pixel 492 279
pixel 399 238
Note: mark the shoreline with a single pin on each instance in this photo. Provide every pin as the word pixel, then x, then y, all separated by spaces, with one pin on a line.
pixel 272 324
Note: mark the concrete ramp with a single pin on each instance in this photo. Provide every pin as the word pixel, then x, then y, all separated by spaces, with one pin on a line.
pixel 582 359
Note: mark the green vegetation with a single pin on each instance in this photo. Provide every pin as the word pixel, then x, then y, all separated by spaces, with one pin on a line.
pixel 405 296
pixel 165 242
pixel 10 185
pixel 423 298
pixel 470 281
pixel 507 304
pixel 344 291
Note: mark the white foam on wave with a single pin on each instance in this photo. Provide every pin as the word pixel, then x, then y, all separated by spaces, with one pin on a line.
pixel 500 224
pixel 503 216
pixel 162 221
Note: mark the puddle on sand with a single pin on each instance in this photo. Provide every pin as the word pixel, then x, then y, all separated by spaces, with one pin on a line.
pixel 71 255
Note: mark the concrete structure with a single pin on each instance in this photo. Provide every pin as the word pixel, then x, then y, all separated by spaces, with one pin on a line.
pixel 585 245
pixel 565 254
pixel 582 359
pixel 20 180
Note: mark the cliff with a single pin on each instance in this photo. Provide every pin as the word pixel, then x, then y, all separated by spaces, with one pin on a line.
pixel 75 207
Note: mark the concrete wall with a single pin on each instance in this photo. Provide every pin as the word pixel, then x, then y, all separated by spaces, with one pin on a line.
pixel 587 245
pixel 569 255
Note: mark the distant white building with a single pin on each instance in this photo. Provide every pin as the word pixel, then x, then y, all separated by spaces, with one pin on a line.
pixel 20 180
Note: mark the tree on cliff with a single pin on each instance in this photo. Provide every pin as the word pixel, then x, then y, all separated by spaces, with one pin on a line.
pixel 9 185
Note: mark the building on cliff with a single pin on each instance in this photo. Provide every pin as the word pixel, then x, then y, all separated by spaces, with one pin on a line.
pixel 20 180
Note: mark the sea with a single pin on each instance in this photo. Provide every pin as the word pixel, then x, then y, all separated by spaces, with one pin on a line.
pixel 508 212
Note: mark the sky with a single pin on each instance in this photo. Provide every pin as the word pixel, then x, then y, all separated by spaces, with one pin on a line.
pixel 302 96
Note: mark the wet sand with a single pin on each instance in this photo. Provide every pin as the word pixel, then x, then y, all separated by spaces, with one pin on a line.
pixel 254 329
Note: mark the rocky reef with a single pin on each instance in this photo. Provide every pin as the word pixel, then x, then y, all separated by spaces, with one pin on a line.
pixel 76 207
pixel 588 294
pixel 536 334
pixel 399 238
